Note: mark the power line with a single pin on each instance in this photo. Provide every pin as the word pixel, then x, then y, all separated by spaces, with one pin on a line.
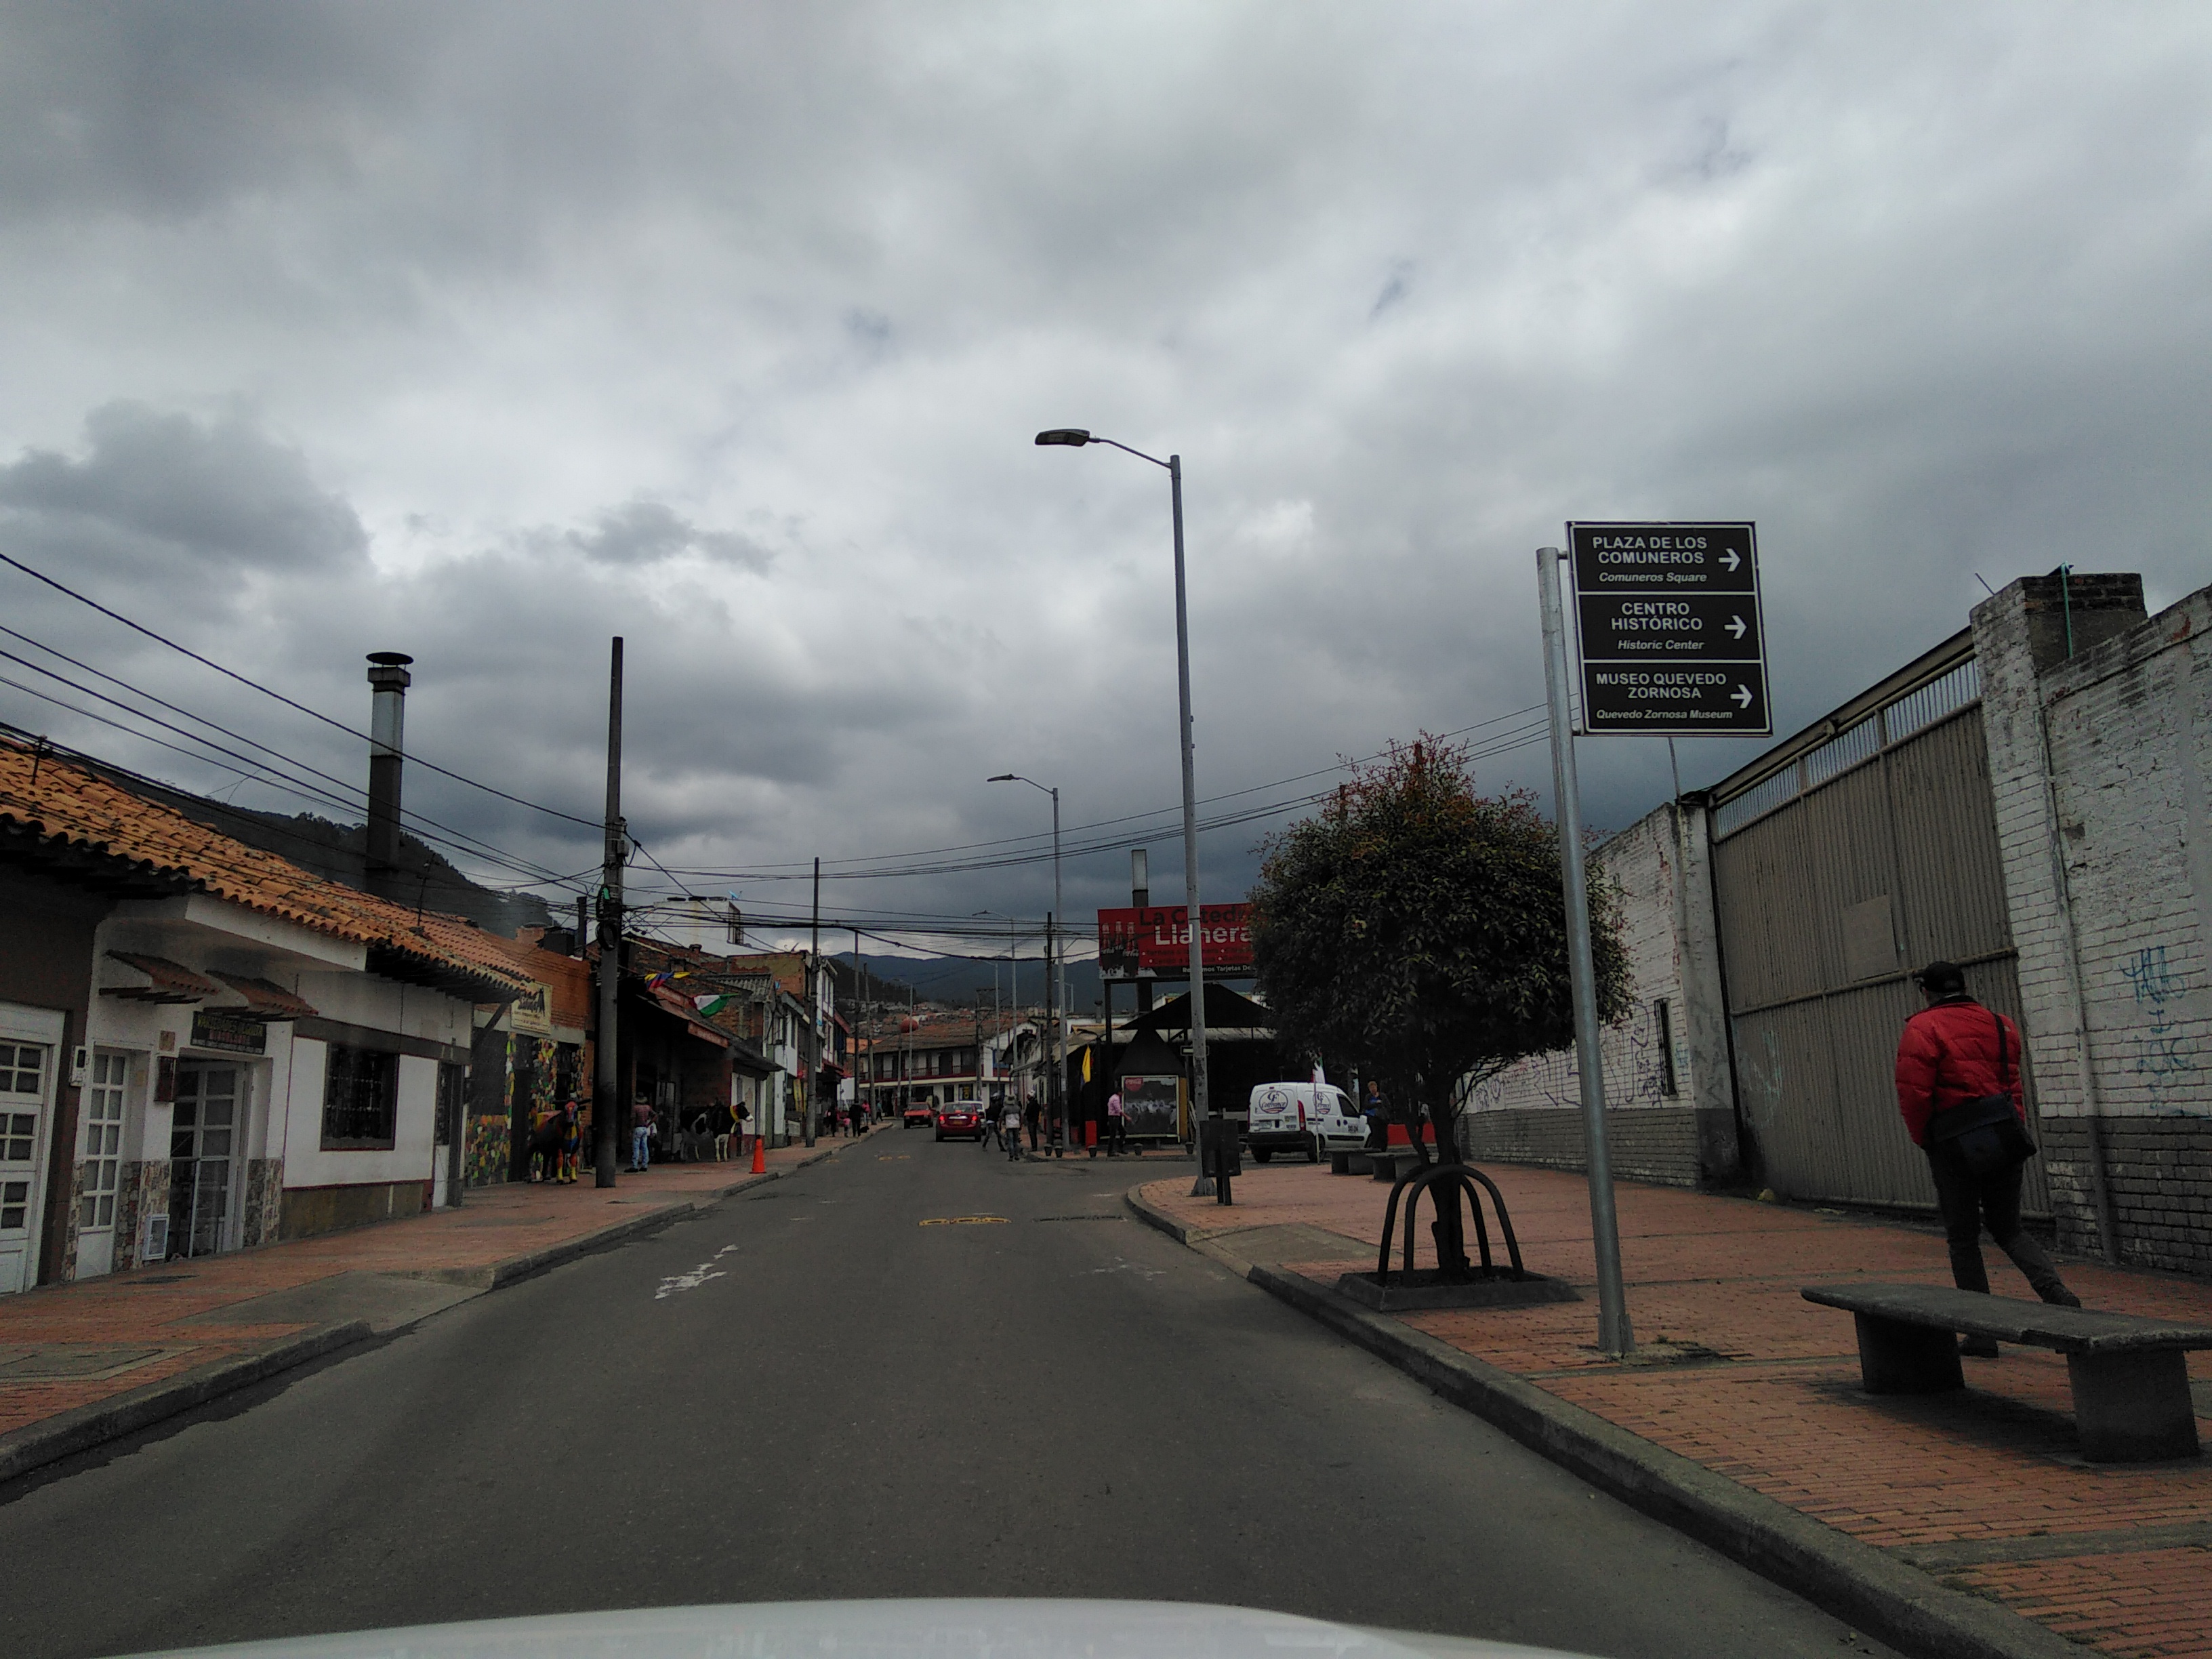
pixel 765 873
pixel 474 845
pixel 110 769
pixel 313 714
pixel 1082 849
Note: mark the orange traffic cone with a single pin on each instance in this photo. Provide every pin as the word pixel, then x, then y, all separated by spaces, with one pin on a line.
pixel 760 1155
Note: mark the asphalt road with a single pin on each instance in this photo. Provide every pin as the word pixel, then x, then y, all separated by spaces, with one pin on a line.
pixel 811 1392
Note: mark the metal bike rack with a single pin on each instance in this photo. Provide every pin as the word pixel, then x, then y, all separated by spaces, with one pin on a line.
pixel 1456 1179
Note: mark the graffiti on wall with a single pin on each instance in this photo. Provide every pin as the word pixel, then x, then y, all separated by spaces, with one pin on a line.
pixel 2161 1056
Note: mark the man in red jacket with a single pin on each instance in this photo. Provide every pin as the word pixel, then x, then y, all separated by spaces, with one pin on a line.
pixel 1955 1050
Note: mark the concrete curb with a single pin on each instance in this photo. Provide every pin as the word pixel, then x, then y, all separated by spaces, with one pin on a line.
pixel 84 1427
pixel 37 1444
pixel 1856 1582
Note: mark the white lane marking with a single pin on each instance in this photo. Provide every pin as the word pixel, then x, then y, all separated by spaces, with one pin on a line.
pixel 698 1276
pixel 1121 1265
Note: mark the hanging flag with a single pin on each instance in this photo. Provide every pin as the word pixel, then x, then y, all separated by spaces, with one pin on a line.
pixel 710 1006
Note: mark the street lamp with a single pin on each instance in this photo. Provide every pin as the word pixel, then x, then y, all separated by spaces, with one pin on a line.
pixel 1059 1084
pixel 1074 437
pixel 999 1008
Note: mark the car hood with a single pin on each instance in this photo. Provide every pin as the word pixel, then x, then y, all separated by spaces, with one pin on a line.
pixel 981 1629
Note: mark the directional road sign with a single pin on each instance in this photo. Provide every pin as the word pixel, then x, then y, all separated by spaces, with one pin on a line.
pixel 1672 641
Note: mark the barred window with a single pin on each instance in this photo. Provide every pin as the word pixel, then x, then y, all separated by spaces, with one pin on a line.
pixel 361 1098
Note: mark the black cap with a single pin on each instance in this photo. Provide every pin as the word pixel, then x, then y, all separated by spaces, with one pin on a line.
pixel 1942 978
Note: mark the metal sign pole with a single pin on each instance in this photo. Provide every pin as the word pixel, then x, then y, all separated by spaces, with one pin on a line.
pixel 1614 1334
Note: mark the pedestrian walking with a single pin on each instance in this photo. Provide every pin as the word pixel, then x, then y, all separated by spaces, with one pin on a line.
pixel 572 1144
pixel 1958 1090
pixel 1035 1117
pixel 544 1149
pixel 1010 1131
pixel 1117 1129
pixel 640 1136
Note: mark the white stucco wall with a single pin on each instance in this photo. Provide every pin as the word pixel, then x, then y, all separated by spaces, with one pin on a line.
pixel 2129 728
pixel 1663 928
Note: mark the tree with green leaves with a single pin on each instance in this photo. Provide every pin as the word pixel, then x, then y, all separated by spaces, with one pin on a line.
pixel 1416 931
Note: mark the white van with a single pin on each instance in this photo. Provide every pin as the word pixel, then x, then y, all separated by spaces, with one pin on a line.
pixel 1287 1117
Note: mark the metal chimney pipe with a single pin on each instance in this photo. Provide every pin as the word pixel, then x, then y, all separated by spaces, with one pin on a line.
pixel 389 680
pixel 1140 895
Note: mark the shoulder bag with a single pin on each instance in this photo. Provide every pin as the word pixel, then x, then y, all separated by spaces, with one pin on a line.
pixel 1985 1134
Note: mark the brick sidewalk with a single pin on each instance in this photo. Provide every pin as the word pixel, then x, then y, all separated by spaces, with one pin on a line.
pixel 126 1331
pixel 1736 1371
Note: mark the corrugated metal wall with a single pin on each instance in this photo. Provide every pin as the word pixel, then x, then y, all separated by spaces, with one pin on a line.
pixel 1882 857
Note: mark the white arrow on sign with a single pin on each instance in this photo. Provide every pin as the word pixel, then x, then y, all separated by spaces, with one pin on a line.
pixel 1732 558
pixel 1735 627
pixel 1741 697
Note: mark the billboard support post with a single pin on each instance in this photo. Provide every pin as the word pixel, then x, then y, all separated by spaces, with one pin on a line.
pixel 1614 1333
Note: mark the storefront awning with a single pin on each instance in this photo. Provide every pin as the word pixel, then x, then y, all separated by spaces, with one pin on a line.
pixel 263 1000
pixel 166 981
pixel 676 1006
pixel 1224 1010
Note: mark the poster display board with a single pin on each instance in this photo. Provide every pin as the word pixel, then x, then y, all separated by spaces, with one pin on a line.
pixel 1153 1106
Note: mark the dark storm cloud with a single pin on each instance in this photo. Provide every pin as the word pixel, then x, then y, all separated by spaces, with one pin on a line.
pixel 642 532
pixel 170 110
pixel 154 493
pixel 725 328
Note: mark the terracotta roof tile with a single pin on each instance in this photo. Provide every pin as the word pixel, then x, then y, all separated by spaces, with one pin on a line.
pixel 66 802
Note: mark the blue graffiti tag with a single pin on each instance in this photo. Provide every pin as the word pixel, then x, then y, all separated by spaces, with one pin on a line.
pixel 2160 1051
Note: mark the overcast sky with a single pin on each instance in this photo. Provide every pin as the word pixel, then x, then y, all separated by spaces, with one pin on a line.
pixel 485 332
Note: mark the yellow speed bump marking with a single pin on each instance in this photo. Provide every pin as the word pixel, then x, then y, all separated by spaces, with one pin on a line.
pixel 965 1221
pixel 891 1157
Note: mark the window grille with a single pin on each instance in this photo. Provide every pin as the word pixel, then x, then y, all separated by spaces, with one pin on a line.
pixel 361 1097
pixel 1885 728
pixel 1933 700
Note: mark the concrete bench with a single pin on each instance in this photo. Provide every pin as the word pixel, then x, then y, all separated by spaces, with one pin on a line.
pixel 1389 1162
pixel 2130 1375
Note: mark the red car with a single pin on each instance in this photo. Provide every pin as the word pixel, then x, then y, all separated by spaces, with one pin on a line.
pixel 922 1113
pixel 962 1119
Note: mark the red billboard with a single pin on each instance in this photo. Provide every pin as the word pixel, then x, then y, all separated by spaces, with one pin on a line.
pixel 1154 942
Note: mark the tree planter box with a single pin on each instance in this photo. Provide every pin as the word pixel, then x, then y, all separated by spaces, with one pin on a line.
pixel 1497 1287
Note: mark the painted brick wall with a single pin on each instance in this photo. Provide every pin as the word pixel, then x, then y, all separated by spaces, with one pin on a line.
pixel 2108 874
pixel 1654 1143
pixel 1530 1113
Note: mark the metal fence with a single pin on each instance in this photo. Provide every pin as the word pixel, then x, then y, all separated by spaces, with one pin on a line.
pixel 1843 860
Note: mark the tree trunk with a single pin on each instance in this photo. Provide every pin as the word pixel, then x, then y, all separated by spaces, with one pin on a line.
pixel 1448 1229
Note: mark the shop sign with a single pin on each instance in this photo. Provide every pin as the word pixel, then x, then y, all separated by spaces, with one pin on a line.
pixel 228 1034
pixel 1154 941
pixel 532 1012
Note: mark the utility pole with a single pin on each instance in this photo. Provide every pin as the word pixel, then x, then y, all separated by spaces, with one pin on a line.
pixel 1054 1092
pixel 813 1005
pixel 861 1023
pixel 607 1087
pixel 1614 1335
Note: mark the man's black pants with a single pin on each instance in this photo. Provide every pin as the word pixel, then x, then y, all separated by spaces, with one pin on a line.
pixel 1969 1202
